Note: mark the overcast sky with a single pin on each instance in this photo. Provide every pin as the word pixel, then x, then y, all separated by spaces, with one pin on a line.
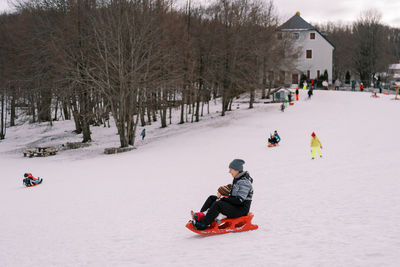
pixel 317 11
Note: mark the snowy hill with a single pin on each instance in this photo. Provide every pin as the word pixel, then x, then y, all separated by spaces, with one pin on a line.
pixel 130 209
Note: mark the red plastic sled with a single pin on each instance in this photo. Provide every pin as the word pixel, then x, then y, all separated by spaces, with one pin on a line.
pixel 272 145
pixel 227 226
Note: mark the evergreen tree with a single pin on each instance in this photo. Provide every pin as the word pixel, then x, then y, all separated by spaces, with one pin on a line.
pixel 348 77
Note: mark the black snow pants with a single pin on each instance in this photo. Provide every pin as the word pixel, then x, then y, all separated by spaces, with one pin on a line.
pixel 215 207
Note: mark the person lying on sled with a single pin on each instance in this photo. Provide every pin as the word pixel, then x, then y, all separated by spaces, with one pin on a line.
pixel 237 204
pixel 30 179
pixel 272 140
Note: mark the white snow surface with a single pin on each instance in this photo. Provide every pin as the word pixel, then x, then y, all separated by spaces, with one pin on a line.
pixel 130 209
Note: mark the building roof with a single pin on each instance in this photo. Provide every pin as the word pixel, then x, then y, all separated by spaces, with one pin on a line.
pixel 296 23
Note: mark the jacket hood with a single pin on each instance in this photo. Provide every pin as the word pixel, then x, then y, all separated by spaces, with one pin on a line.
pixel 243 175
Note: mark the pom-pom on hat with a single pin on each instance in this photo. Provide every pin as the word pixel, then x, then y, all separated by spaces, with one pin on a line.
pixel 237 164
pixel 225 190
pixel 313 134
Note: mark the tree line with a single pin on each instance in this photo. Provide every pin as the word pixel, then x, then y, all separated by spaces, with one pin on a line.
pixel 364 49
pixel 134 59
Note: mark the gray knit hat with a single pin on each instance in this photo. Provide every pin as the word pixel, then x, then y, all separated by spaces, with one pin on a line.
pixel 237 164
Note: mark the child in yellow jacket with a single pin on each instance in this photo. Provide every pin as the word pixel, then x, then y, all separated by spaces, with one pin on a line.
pixel 315 145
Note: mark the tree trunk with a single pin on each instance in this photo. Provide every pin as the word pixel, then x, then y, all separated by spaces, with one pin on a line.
pixel 223 102
pixel 251 97
pixel 2 122
pixel 75 114
pixel 148 114
pixel 44 109
pixel 12 111
pixel 33 109
pixel 56 110
pixel 198 98
pixel 142 116
pixel 182 120
pixel 66 110
pixel 85 117
pixel 163 109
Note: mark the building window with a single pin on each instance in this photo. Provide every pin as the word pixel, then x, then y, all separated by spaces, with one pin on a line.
pixel 296 35
pixel 318 74
pixel 308 74
pixel 312 35
pixel 309 54
pixel 279 36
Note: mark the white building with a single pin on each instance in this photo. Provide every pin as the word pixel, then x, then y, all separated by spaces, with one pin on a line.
pixel 394 72
pixel 316 51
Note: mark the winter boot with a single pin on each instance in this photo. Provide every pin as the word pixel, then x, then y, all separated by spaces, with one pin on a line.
pixel 199 225
pixel 197 216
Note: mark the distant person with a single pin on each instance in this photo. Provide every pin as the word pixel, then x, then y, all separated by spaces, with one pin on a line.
pixel 315 146
pixel 290 97
pixel 282 107
pixel 325 84
pixel 353 85
pixel 312 83
pixel 297 94
pixel 310 93
pixel 305 85
pixel 286 101
pixel 272 141
pixel 143 133
pixel 337 84
pixel 29 180
pixel 361 87
pixel 380 88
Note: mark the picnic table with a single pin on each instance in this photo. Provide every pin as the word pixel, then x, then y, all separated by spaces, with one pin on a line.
pixel 40 151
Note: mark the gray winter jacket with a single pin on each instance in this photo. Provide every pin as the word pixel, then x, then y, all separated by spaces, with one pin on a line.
pixel 242 187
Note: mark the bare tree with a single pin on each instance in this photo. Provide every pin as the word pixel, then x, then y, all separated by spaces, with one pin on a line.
pixel 369 39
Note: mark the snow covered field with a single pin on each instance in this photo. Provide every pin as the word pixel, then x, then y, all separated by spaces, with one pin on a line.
pixel 130 209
